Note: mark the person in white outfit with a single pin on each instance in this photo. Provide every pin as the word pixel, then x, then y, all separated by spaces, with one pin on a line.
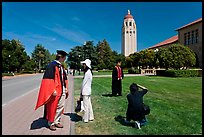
pixel 86 91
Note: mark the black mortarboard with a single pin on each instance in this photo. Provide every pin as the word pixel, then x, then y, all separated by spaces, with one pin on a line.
pixel 61 52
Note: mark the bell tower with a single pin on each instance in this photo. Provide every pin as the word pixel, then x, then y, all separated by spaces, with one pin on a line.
pixel 129 35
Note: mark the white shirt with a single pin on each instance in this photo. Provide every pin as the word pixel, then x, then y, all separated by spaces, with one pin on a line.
pixel 62 76
pixel 86 84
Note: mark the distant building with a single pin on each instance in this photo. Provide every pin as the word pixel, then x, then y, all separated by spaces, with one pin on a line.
pixel 129 35
pixel 189 35
pixel 166 43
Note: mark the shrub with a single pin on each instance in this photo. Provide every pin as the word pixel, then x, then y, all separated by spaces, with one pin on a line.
pixel 179 73
pixel 7 74
pixel 27 72
pixel 160 72
pixel 105 70
pixel 134 71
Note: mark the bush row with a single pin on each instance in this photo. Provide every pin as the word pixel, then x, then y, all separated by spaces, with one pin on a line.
pixel 124 71
pixel 179 73
pixel 134 71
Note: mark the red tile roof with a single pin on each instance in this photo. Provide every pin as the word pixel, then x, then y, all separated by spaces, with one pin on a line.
pixel 168 41
pixel 194 22
pixel 128 16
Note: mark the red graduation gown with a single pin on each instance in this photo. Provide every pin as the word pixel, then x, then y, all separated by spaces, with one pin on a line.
pixel 50 82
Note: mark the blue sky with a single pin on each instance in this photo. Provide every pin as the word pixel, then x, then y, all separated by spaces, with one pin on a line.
pixel 64 25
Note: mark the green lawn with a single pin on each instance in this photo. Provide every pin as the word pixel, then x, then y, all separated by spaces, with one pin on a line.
pixel 97 73
pixel 176 107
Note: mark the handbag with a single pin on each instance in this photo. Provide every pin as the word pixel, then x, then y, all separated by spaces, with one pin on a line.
pixel 80 106
pixel 146 109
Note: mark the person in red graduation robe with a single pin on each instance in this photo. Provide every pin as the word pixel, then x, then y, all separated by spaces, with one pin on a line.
pixel 53 86
pixel 117 76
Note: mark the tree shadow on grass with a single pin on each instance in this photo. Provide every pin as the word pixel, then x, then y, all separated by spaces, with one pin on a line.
pixel 121 120
pixel 39 123
pixel 74 117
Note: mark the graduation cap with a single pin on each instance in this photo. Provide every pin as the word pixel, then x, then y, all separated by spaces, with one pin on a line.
pixel 61 52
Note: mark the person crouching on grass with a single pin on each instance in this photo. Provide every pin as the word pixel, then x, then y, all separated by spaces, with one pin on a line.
pixel 135 110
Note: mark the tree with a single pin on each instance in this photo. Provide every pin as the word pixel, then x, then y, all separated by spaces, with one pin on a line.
pixel 182 56
pixel 147 58
pixel 105 58
pixel 75 56
pixel 14 55
pixel 101 54
pixel 6 51
pixel 129 61
pixel 41 56
pixel 165 57
pixel 89 52
pixel 48 58
pixel 29 64
pixel 136 59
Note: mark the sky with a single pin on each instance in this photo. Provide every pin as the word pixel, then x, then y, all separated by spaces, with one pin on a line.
pixel 64 25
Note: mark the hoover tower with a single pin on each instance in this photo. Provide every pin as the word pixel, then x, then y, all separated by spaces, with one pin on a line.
pixel 129 35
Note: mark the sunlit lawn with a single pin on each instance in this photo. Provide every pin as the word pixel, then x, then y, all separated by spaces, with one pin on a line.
pixel 176 106
pixel 97 73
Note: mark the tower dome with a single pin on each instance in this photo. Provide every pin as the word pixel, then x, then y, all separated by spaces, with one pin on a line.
pixel 128 15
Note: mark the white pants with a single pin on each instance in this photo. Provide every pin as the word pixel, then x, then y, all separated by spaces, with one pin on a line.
pixel 60 107
pixel 88 111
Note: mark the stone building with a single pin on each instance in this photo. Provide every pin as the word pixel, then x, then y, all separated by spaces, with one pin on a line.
pixel 129 35
pixel 188 35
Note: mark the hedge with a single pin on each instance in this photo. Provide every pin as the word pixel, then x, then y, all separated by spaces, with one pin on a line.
pixel 179 73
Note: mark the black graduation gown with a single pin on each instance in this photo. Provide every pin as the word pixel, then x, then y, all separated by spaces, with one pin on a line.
pixel 116 84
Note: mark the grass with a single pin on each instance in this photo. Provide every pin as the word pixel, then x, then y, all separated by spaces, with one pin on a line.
pixel 176 106
pixel 97 73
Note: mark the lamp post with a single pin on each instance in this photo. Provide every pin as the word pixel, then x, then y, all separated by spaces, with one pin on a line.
pixel 79 69
pixel 9 63
pixel 84 50
pixel 156 62
pixel 39 61
pixel 156 50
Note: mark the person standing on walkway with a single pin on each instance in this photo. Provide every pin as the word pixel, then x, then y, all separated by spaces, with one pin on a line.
pixel 117 76
pixel 86 91
pixel 53 91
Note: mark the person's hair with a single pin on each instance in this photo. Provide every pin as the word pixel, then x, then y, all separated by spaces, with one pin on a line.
pixel 87 68
pixel 118 60
pixel 133 88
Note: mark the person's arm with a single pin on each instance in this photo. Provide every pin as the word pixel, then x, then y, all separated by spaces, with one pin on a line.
pixel 114 74
pixel 141 86
pixel 128 98
pixel 66 86
pixel 85 81
pixel 122 73
pixel 144 89
pixel 67 93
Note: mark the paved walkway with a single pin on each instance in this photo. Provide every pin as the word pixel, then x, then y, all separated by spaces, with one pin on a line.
pixel 20 118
